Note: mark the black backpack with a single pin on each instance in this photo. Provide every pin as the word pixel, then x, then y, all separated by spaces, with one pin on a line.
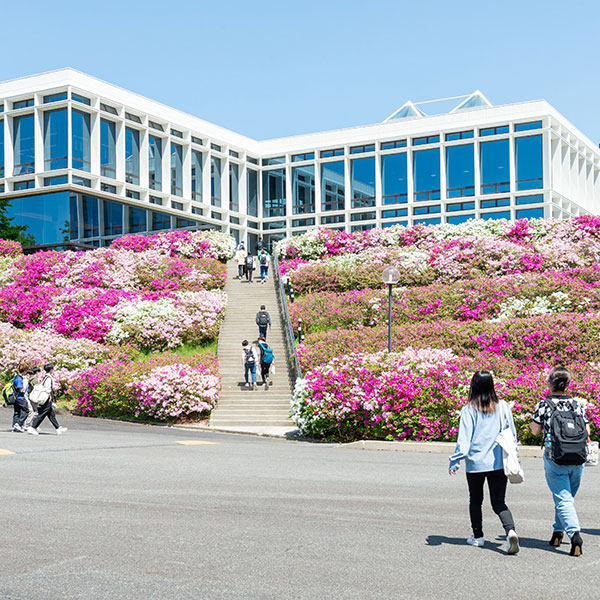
pixel 263 259
pixel 567 435
pixel 250 360
pixel 249 262
pixel 262 318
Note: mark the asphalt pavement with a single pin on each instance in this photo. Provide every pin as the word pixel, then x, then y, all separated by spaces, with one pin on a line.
pixel 115 510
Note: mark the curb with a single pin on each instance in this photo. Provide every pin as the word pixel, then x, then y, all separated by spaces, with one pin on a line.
pixel 294 435
pixel 427 447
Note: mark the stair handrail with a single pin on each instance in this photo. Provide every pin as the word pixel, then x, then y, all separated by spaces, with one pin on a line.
pixel 290 340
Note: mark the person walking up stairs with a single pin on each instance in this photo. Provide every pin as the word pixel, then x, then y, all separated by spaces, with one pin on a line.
pixel 241 407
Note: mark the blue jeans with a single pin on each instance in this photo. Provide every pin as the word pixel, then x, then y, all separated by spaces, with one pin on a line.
pixel 563 481
pixel 262 331
pixel 264 271
pixel 252 368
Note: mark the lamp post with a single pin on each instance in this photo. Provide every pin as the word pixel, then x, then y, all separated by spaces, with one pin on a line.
pixel 391 276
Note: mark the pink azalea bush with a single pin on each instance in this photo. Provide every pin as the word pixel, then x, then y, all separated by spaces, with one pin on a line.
pixel 165 387
pixel 515 298
pixel 10 248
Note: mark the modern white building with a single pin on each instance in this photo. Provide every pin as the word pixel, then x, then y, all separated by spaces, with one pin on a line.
pixel 83 160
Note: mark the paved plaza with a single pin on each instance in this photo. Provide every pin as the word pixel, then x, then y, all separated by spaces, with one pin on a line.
pixel 115 511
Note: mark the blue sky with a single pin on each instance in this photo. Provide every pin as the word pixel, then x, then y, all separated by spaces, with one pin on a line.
pixel 272 69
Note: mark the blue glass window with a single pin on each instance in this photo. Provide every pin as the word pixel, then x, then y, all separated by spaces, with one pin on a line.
pixel 176 133
pixel 274 193
pixel 106 187
pixel 530 213
pixel 113 218
pixel 460 171
pixel 55 139
pixel 154 162
pixel 493 130
pixel 1 148
pixel 81 99
pixel 332 186
pixel 528 126
pixel 496 203
pixel 458 206
pixel 333 219
pixel 157 126
pixel 24 185
pixel 215 147
pixel 303 190
pixel 459 135
pixel 274 225
pixel 362 182
pixel 426 176
pixel 394 144
pixel 360 149
pixel 234 154
pixel 215 181
pixel 528 159
pixel 177 205
pixel 303 222
pixel 234 187
pixel 392 223
pixel 108 109
pixel 394 178
pixel 537 199
pixel 24 148
pixel 364 227
pixel 80 128
pixel 156 200
pixel 137 219
pixel 132 155
pixel 177 169
pixel 160 221
pixel 22 103
pixel 457 219
pixel 430 139
pixel 197 175
pixel 503 214
pixel 58 180
pixel 390 214
pixel 187 223
pixel 330 153
pixel 55 97
pixel 108 154
pixel 252 193
pixel 366 216
pixel 91 227
pixel 133 118
pixel 132 194
pixel 305 156
pixel 277 160
pixel 495 167
pixel 427 210
pixel 81 181
pixel 45 216
pixel 433 221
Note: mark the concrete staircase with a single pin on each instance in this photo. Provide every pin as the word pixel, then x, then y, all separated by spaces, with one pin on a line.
pixel 240 408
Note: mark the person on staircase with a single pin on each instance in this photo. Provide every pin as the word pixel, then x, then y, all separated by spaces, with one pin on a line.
pixel 266 360
pixel 240 258
pixel 263 320
pixel 249 266
pixel 264 261
pixel 250 358
pixel 260 245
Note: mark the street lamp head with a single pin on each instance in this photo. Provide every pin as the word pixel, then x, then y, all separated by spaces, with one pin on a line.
pixel 390 275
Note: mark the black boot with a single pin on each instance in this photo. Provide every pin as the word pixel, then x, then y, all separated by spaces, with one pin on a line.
pixel 576 545
pixel 556 539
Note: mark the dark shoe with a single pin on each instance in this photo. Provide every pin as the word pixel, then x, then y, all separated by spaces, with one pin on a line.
pixel 576 545
pixel 556 539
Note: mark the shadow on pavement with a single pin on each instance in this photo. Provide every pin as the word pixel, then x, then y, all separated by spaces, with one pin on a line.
pixel 495 546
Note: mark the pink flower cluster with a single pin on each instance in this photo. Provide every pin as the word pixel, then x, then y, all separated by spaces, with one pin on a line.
pixel 10 248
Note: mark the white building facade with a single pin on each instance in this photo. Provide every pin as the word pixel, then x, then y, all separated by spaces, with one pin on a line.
pixel 82 160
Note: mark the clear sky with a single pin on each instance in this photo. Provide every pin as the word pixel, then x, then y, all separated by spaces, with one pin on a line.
pixel 277 68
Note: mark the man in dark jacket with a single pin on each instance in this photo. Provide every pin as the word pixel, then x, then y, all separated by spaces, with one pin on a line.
pixel 263 320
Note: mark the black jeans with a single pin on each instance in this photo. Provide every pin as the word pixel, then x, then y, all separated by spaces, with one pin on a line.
pixel 21 410
pixel 497 486
pixel 264 371
pixel 248 271
pixel 45 410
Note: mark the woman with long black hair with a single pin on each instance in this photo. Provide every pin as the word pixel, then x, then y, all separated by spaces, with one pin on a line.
pixel 481 420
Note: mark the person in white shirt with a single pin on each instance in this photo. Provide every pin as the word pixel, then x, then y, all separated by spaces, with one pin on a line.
pixel 32 379
pixel 47 409
pixel 240 258
pixel 250 360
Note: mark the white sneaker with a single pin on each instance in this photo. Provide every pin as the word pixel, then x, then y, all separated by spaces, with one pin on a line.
pixel 512 542
pixel 473 541
pixel 246 384
pixel 32 431
pixel 61 430
pixel 17 428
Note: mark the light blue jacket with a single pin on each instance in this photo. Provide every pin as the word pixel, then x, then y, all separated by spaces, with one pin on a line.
pixel 477 438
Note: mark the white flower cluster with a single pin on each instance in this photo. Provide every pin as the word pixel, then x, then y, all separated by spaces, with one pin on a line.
pixel 538 306
pixel 7 271
pixel 307 245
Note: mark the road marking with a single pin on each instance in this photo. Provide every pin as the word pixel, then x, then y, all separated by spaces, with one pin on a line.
pixel 5 452
pixel 194 443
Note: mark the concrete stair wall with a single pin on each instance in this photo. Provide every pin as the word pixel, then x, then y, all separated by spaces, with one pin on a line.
pixel 240 406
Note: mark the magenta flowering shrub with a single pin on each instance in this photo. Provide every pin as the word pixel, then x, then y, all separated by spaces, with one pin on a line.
pixel 164 387
pixel 10 248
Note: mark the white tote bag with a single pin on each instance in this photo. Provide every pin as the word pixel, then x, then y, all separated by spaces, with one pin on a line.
pixel 38 394
pixel 510 454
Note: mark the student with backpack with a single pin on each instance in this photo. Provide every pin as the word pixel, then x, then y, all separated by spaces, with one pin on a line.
pixel 266 360
pixel 21 410
pixel 45 404
pixel 481 420
pixel 250 358
pixel 264 261
pixel 249 266
pixel 563 421
pixel 240 258
pixel 263 320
